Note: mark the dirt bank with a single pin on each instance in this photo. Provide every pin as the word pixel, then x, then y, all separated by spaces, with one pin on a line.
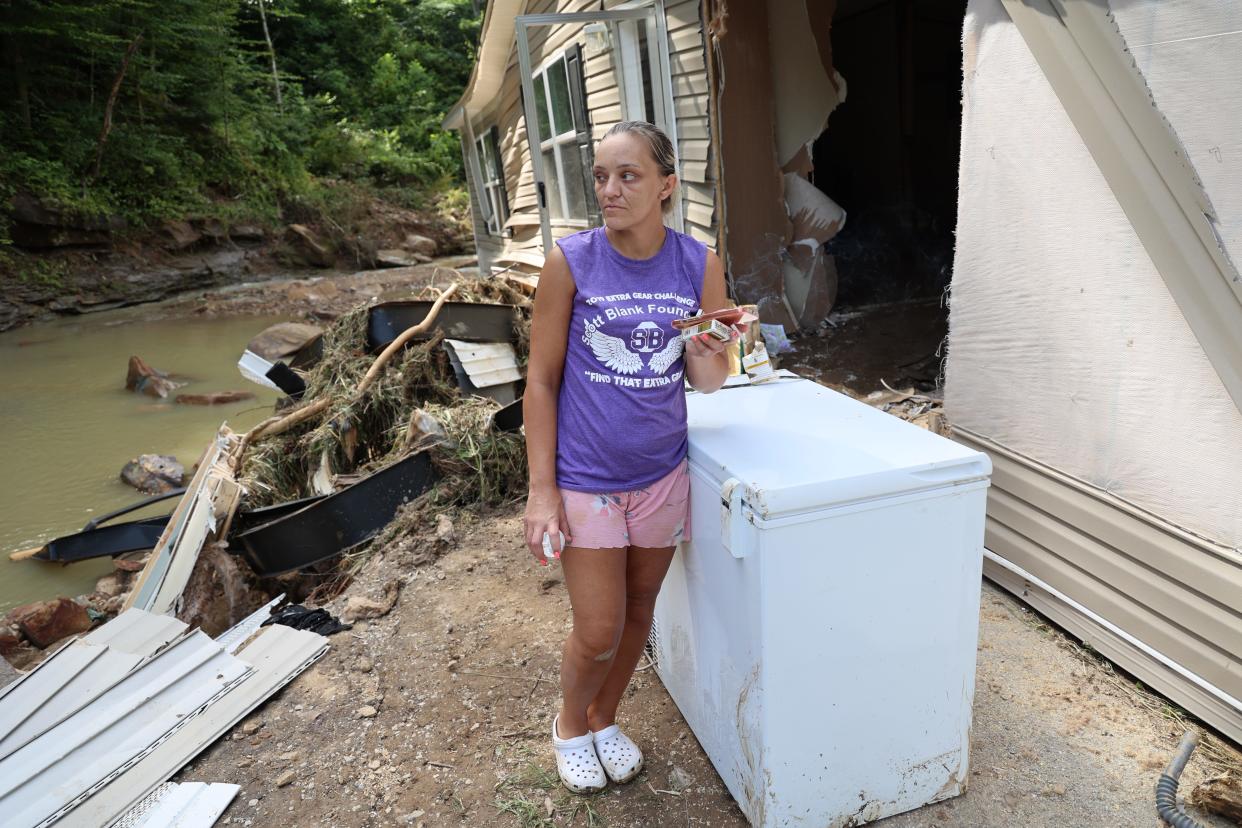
pixel 460 678
pixel 63 269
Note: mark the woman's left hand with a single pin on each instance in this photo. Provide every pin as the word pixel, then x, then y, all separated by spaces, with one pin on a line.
pixel 705 345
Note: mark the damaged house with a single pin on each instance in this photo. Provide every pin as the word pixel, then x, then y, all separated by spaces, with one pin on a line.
pixel 1063 170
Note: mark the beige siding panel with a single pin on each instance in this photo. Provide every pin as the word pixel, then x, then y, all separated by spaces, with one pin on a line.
pixel 682 14
pixel 690 62
pixel 611 114
pixel 693 107
pixel 690 85
pixel 700 214
pixel 704 194
pixel 686 40
pixel 1172 591
pixel 694 150
pixel 695 171
pixel 604 98
pixel 693 129
pixel 700 235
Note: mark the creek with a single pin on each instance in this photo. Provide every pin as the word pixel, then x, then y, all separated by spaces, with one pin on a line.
pixel 69 426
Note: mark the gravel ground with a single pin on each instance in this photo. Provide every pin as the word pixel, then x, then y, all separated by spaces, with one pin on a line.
pixel 438 713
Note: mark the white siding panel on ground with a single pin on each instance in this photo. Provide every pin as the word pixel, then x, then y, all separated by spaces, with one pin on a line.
pixel 49 775
pixel 277 655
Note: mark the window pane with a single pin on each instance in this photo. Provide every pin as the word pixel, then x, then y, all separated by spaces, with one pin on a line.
pixel 541 106
pixel 575 188
pixel 562 115
pixel 493 160
pixel 553 177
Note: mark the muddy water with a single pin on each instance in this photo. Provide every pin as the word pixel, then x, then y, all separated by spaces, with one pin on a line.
pixel 68 426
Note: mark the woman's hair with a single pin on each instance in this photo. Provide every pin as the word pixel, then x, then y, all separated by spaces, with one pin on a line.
pixel 658 144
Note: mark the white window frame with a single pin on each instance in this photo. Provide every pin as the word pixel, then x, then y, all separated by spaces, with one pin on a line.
pixel 491 185
pixel 559 142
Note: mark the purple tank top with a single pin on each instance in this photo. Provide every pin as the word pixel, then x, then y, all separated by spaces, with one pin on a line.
pixel 621 416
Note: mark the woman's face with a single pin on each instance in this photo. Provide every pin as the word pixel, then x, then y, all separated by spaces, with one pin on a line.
pixel 628 183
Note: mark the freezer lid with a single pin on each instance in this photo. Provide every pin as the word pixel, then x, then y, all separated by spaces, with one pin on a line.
pixel 796 446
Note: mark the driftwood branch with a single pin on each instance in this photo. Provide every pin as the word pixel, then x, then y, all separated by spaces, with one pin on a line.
pixel 278 425
pixel 111 104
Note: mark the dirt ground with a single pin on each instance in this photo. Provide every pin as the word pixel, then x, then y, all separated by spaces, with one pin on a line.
pixel 439 712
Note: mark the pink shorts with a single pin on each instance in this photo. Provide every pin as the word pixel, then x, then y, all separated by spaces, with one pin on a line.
pixel 653 517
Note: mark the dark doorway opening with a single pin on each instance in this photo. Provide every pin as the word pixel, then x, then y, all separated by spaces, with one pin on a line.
pixel 890 153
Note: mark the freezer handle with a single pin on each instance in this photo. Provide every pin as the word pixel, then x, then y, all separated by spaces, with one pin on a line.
pixel 733 535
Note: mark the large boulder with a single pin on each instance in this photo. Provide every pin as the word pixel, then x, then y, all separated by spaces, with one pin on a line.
pixel 38 225
pixel 214 398
pixel 45 623
pixel 400 258
pixel 153 473
pixel 282 341
pixel 178 235
pixel 419 244
pixel 143 379
pixel 308 246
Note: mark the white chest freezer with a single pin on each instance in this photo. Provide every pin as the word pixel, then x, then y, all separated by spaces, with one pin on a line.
pixel 819 631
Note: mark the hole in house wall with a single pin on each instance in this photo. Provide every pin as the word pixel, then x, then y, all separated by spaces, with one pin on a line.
pixel 890 153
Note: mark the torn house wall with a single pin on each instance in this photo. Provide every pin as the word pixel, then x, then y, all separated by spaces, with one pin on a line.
pixel 757 227
pixel 773 101
pixel 1068 352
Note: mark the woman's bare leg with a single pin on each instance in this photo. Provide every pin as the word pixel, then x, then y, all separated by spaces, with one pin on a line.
pixel 644 573
pixel 596 581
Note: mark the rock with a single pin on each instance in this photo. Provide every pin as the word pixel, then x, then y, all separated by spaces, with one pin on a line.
pixel 367 712
pixel 251 727
pixel 678 779
pixel 285 778
pixel 284 340
pixel 374 764
pixel 360 607
pixel 45 623
pixel 311 291
pixel 364 665
pixel 291 756
pixel 178 235
pixel 127 565
pixel 399 258
pixel 10 639
pixel 153 473
pixel 419 244
pixel 1055 790
pixel 308 247
pixel 38 226
pixel 247 232
pixel 214 398
pixel 143 379
pixel 109 586
pixel 445 533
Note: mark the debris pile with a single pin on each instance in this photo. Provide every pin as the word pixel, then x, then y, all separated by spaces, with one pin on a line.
pixel 411 404
pixel 923 410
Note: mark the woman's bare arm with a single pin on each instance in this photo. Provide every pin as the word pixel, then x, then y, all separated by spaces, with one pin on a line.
pixel 549 338
pixel 707 364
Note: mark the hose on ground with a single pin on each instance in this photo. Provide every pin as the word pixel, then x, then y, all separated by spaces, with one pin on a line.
pixel 1166 787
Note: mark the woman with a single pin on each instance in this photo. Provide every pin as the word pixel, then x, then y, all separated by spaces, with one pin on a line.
pixel 605 415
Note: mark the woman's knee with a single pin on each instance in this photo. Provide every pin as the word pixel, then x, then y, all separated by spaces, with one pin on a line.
pixel 640 607
pixel 598 640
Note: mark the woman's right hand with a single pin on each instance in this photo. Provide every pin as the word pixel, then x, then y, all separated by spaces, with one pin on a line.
pixel 545 512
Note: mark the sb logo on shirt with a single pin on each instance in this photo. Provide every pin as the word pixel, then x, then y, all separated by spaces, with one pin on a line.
pixel 647 337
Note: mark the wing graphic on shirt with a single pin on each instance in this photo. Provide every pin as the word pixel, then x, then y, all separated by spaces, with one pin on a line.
pixel 612 353
pixel 661 361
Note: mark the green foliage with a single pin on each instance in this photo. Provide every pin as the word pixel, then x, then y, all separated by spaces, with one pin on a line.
pixel 196 128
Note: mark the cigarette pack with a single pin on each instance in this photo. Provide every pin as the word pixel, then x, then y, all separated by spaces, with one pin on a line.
pixel 711 327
